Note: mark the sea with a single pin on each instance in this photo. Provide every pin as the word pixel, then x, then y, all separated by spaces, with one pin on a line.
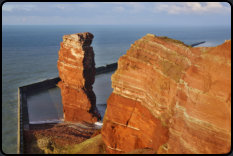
pixel 30 53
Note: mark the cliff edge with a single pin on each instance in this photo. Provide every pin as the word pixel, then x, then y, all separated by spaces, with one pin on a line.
pixel 170 97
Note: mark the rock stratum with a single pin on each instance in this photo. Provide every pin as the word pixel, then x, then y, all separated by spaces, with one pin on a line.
pixel 76 68
pixel 171 98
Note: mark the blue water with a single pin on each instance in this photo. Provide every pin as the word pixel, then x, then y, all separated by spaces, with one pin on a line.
pixel 46 105
pixel 30 53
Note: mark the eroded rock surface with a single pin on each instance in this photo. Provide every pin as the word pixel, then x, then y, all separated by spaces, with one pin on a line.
pixel 76 68
pixel 170 97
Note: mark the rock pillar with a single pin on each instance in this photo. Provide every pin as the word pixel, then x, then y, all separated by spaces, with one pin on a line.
pixel 76 68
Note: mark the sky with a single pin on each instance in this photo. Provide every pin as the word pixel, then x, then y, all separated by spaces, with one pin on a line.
pixel 117 13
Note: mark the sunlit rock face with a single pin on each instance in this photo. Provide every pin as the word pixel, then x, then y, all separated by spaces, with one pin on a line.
pixel 170 97
pixel 76 68
pixel 201 119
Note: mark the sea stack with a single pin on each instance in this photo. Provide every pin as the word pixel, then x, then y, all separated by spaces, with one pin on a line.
pixel 171 98
pixel 76 68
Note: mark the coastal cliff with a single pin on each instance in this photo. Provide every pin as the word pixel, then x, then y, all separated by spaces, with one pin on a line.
pixel 76 68
pixel 170 97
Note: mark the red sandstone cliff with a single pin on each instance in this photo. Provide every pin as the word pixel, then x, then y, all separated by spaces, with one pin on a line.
pixel 76 68
pixel 170 97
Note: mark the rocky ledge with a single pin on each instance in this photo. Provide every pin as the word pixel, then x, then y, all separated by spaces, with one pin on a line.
pixel 62 138
pixel 171 98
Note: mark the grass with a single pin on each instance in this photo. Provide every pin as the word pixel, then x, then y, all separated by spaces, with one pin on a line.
pixel 93 145
pixel 165 38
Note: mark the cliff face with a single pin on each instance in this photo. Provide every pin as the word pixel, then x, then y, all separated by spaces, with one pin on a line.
pixel 76 68
pixel 170 97
pixel 201 120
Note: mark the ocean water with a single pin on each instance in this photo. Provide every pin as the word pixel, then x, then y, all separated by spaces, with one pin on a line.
pixel 30 53
pixel 46 105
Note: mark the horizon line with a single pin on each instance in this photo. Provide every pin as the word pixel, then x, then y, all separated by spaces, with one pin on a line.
pixel 105 25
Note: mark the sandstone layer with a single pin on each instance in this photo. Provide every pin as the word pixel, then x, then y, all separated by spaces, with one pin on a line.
pixel 170 97
pixel 76 68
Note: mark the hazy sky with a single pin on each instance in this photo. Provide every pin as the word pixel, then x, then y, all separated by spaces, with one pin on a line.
pixel 96 13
